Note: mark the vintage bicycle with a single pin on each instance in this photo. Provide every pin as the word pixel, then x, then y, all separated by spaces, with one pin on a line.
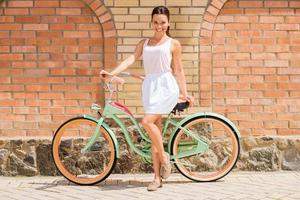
pixel 203 146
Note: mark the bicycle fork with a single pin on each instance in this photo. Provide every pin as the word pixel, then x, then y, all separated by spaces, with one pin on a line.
pixel 93 138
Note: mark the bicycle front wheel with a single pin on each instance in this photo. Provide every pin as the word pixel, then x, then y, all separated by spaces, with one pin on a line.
pixel 212 158
pixel 87 168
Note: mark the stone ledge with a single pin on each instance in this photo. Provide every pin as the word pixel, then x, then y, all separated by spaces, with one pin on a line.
pixel 32 156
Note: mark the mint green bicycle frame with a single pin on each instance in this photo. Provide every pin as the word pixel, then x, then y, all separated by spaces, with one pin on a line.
pixel 111 111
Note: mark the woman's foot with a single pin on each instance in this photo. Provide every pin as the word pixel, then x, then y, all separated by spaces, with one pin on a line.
pixel 166 168
pixel 154 185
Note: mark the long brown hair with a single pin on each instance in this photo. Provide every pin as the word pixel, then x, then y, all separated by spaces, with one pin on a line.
pixel 162 10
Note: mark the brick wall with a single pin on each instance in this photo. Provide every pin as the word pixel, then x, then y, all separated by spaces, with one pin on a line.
pixel 251 52
pixel 240 59
pixel 50 56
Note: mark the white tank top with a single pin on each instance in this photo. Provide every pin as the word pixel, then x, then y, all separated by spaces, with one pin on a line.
pixel 157 59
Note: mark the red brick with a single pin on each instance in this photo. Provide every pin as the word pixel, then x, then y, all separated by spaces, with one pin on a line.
pixel 53 19
pixel 42 11
pixel 22 34
pixel 10 27
pixel 72 4
pixel 11 56
pixel 276 63
pixel 277 48
pixel 246 19
pixel 49 34
pixel 234 70
pixel 232 11
pixel 39 118
pixel 231 4
pixel 6 125
pixel 275 4
pixel 11 103
pixel 263 86
pixel 276 124
pixel 295 4
pixel 35 27
pixel 289 86
pixel 276 109
pixel 292 19
pixel 63 72
pixel 282 11
pixel 25 125
pixel 251 124
pixel 250 4
pixel 77 95
pixel 68 11
pixel 271 19
pixel 76 34
pixel 79 19
pixel 28 19
pixel 275 78
pixel 24 49
pixel 256 11
pixel 51 95
pixel 264 41
pixel 4 49
pixel 16 11
pixel 237 56
pixel 46 4
pixel 100 11
pixel 276 94
pixel 25 110
pixel 50 64
pixel 7 19
pixel 39 88
pixel 264 70
pixel 63 87
pixel 65 103
pixel 275 33
pixel 63 27
pixel 287 27
pixel 38 103
pixel 20 3
pixel 52 110
pixel 64 41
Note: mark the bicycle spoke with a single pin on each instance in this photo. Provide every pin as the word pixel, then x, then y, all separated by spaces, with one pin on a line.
pixel 83 168
pixel 210 155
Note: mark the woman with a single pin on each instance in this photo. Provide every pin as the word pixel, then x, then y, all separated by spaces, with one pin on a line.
pixel 161 56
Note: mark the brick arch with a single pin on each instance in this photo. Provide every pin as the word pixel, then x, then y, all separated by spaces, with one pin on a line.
pixel 249 64
pixel 50 56
pixel 205 68
pixel 105 18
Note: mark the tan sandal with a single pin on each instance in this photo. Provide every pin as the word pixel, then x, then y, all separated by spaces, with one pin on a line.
pixel 153 186
pixel 165 170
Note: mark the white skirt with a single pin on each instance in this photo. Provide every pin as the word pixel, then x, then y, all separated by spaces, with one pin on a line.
pixel 160 93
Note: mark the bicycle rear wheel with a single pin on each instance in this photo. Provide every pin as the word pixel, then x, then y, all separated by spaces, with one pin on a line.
pixel 86 168
pixel 215 159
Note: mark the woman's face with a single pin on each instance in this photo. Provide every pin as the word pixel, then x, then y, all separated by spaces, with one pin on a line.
pixel 160 23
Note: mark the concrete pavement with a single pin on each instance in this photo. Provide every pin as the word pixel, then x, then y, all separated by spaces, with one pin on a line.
pixel 282 185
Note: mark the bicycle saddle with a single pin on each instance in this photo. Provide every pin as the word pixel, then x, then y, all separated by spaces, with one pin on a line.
pixel 180 107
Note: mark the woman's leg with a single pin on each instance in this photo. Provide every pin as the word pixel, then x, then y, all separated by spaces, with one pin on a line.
pixel 155 155
pixel 154 133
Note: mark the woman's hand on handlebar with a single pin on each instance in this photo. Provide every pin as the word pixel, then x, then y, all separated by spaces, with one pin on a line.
pixel 104 74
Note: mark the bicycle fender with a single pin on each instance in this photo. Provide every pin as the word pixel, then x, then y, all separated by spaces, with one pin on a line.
pixel 108 129
pixel 203 114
